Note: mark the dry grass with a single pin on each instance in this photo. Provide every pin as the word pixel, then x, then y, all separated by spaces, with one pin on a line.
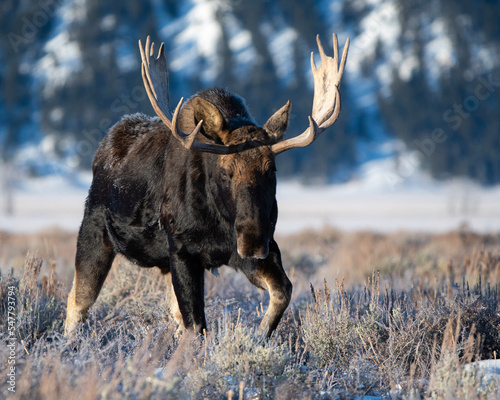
pixel 384 315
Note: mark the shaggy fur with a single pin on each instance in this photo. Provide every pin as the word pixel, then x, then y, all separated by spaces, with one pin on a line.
pixel 184 211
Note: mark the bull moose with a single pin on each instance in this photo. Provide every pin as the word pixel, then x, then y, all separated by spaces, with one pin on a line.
pixel 190 202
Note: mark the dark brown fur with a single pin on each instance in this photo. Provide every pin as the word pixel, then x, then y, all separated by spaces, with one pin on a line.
pixel 184 211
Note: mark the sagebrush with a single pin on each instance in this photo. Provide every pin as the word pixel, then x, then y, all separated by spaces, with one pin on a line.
pixel 398 316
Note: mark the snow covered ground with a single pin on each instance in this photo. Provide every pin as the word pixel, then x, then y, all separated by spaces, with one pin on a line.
pixel 370 203
pixel 353 206
pixel 37 204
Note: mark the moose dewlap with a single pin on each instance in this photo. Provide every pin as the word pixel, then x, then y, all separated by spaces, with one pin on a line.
pixel 187 202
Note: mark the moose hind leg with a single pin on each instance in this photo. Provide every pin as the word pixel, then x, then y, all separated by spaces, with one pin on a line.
pixel 270 275
pixel 94 256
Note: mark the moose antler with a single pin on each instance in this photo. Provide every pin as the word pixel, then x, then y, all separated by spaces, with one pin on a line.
pixel 326 101
pixel 155 77
pixel 325 111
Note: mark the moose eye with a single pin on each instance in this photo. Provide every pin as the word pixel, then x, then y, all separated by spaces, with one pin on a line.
pixel 224 175
pixel 271 171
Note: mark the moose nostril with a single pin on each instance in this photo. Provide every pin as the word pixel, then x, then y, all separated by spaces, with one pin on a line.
pixel 259 255
pixel 248 248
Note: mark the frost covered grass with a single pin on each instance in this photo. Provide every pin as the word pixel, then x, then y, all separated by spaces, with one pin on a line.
pixel 393 315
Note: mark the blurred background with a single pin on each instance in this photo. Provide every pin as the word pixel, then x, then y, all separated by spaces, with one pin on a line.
pixel 416 145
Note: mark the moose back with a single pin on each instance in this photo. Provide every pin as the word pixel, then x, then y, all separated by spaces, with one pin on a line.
pixel 188 202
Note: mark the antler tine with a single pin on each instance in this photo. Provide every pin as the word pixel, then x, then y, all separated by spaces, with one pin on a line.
pixel 326 101
pixel 160 105
pixel 334 111
pixel 322 54
pixel 153 70
pixel 335 48
pixel 343 61
pixel 155 73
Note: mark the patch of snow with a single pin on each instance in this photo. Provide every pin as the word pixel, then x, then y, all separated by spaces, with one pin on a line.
pixel 240 40
pixel 281 47
pixel 56 114
pixel 370 202
pixel 378 37
pixel 126 55
pixel 240 43
pixel 43 158
pixel 37 204
pixel 377 201
pixel 108 23
pixel 163 18
pixel 483 60
pixel 349 209
pixel 408 66
pixel 62 55
pixel 196 40
pixel 71 12
pixel 439 54
pixel 380 25
pixel 487 370
pixel 47 146
pixel 485 367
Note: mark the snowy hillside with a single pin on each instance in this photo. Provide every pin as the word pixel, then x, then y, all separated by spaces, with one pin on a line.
pixel 414 68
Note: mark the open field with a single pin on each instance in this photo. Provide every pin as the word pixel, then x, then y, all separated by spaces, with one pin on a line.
pixel 390 315
pixel 367 204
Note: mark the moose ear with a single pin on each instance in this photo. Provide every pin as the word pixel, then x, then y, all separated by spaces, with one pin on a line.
pixel 213 121
pixel 277 124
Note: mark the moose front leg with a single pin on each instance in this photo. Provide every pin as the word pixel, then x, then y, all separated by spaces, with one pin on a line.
pixel 271 276
pixel 188 283
pixel 171 300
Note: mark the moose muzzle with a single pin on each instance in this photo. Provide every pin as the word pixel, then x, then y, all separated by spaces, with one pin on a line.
pixel 252 246
pixel 253 222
